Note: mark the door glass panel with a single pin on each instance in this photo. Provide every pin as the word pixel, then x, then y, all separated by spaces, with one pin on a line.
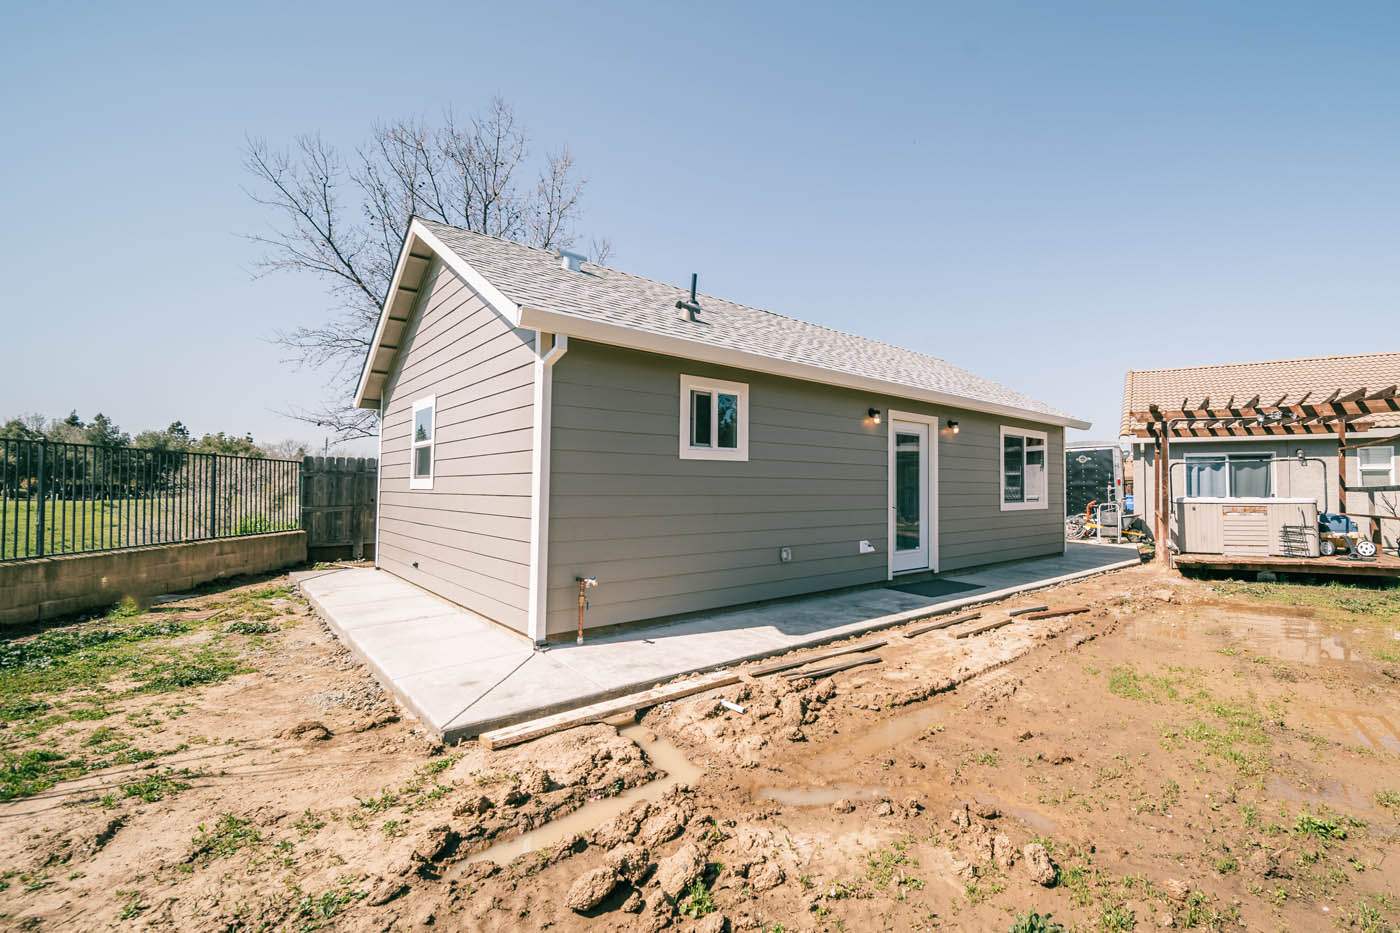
pixel 728 421
pixel 699 419
pixel 1250 477
pixel 908 497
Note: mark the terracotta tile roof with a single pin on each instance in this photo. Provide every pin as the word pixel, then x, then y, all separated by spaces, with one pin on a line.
pixel 1272 380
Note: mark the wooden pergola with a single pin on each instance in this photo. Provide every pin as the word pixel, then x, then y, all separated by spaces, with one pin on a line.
pixel 1336 414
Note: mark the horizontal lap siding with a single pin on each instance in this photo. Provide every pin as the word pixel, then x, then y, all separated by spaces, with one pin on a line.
pixel 665 535
pixel 470 533
pixel 972 528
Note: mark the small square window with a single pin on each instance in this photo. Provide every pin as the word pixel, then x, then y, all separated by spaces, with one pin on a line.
pixel 714 419
pixel 1376 465
pixel 422 443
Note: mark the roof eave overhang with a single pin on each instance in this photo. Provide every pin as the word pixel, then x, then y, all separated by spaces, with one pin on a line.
pixel 616 335
pixel 418 243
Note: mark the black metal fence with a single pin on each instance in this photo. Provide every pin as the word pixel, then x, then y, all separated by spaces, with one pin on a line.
pixel 69 498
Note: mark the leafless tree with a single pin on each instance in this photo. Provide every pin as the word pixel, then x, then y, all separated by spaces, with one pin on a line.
pixel 344 220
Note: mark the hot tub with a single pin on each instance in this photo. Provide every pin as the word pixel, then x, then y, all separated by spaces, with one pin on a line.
pixel 1246 527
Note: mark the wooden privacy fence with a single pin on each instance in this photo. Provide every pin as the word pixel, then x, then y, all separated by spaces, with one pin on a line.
pixel 338 507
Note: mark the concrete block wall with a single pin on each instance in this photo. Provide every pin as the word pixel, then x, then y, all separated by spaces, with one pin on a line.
pixel 48 587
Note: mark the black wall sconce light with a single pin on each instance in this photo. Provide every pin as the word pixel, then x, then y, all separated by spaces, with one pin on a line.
pixel 953 426
pixel 874 415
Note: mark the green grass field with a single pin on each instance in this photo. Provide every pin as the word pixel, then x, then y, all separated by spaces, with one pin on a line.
pixel 97 524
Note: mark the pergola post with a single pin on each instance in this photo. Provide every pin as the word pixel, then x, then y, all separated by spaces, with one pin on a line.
pixel 1162 553
pixel 1341 466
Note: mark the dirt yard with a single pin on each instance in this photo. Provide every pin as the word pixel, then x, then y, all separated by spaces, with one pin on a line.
pixel 1207 754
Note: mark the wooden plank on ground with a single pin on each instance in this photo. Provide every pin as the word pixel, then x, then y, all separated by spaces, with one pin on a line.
pixel 582 716
pixel 1025 609
pixel 833 668
pixel 1058 612
pixel 984 627
pixel 941 623
pixel 772 667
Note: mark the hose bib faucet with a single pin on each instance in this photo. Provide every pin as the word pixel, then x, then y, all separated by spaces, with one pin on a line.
pixel 583 584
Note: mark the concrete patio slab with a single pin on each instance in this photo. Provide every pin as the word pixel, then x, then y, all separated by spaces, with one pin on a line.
pixel 463 674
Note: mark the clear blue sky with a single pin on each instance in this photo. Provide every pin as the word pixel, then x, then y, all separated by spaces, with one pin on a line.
pixel 1046 193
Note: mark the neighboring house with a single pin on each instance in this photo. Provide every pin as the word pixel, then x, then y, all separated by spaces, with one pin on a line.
pixel 545 419
pixel 1269 466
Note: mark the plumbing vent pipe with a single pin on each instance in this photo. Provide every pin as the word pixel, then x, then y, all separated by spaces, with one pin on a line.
pixel 690 308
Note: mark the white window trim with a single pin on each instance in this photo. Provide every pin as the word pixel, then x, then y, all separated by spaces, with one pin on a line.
pixel 422 482
pixel 1243 455
pixel 714 387
pixel 1388 468
pixel 1044 502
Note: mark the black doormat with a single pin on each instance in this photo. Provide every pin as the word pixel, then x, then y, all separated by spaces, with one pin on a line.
pixel 936 587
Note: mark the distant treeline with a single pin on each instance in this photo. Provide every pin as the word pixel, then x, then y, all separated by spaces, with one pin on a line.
pixel 101 431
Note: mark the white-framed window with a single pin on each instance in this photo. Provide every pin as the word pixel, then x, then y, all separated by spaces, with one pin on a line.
pixel 714 419
pixel 422 450
pixel 1227 475
pixel 1376 465
pixel 1023 464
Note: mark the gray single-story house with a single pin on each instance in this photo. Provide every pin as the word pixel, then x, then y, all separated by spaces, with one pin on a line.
pixel 545 419
pixel 1270 466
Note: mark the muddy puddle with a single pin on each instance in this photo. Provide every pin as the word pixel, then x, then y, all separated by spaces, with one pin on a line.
pixel 665 756
pixel 820 796
pixel 1361 727
pixel 1032 818
pixel 1295 640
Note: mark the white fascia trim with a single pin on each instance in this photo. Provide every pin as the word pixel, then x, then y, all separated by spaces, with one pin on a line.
pixel 379 483
pixel 619 336
pixel 539 481
pixel 488 292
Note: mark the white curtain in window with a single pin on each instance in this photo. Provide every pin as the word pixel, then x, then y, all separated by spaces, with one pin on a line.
pixel 1205 477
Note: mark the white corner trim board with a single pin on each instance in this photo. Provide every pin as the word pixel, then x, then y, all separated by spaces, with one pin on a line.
pixel 539 479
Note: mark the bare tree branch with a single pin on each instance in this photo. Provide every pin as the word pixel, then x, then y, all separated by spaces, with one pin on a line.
pixel 345 225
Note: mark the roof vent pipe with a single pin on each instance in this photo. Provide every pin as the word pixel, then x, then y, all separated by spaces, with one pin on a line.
pixel 570 262
pixel 692 307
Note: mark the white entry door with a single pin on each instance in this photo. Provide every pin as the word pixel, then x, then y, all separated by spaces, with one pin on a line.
pixel 909 515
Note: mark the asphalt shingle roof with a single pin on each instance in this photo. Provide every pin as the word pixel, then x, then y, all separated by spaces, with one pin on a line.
pixel 532 277
pixel 1271 380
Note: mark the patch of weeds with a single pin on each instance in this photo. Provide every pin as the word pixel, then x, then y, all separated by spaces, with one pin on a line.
pixel 308 823
pixel 697 901
pixel 1388 798
pixel 437 765
pixel 1224 864
pixel 1035 922
pixel 1309 824
pixel 1125 682
pixel 155 787
pixel 384 801
pixel 886 866
pixel 1116 918
pixel 989 759
pixel 317 912
pixel 251 627
pixel 393 828
pixel 228 835
pixel 180 674
pixel 28 773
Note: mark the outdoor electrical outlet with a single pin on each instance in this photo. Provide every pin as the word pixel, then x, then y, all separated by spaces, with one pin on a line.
pixel 784 554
